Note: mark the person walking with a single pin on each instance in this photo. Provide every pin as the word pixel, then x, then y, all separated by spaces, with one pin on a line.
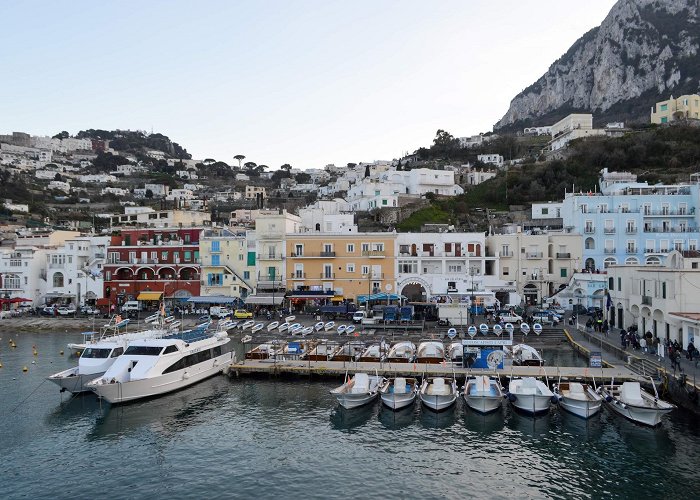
pixel 643 344
pixel 605 328
pixel 691 350
pixel 623 338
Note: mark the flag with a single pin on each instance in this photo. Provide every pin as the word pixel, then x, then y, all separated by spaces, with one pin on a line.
pixel 608 301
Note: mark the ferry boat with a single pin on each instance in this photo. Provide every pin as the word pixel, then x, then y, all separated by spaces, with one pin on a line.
pixel 152 367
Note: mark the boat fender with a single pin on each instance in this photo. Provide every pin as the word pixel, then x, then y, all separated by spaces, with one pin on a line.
pixel 512 397
pixel 623 405
pixel 185 376
pixel 555 399
pixel 608 399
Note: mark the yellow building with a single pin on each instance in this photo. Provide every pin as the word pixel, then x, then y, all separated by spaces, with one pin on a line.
pixel 684 107
pixel 351 264
pixel 227 263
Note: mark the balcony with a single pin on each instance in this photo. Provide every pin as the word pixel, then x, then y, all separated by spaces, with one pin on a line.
pixel 533 255
pixel 631 250
pixel 327 254
pixel 646 300
pixel 682 212
pixel 373 253
pixel 589 230
pixel 56 265
pixel 269 256
pixel 327 276
pixel 507 254
pixel 631 230
pixel 609 230
pixel 609 251
pixel 298 276
pixel 313 255
pixel 669 229
pixel 566 255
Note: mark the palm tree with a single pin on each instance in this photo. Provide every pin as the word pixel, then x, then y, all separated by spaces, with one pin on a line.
pixel 240 158
pixel 286 167
pixel 250 165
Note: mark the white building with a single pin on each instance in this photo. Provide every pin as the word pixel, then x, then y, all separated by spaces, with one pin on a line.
pixel 97 179
pixel 115 191
pixel 158 190
pixel 537 130
pixel 60 186
pixel 574 126
pixel 251 192
pixel 491 159
pixel 475 177
pixel 146 216
pixel 549 210
pixel 328 216
pixel 180 194
pixel 16 207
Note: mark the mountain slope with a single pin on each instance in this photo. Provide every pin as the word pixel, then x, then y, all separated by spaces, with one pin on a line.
pixel 644 51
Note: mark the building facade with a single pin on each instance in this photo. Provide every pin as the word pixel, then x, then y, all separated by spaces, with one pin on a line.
pixel 683 108
pixel 228 266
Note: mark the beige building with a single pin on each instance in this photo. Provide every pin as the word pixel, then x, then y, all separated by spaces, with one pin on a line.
pixel 684 107
pixel 540 263
pixel 227 264
pixel 350 264
pixel 574 126
pixel 251 192
pixel 270 236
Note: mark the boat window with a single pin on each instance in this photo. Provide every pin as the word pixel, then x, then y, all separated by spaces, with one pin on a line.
pixel 94 353
pixel 169 349
pixel 118 351
pixel 143 350
pixel 216 351
pixel 178 365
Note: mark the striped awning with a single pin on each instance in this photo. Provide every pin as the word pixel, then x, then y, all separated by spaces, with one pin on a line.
pixel 149 296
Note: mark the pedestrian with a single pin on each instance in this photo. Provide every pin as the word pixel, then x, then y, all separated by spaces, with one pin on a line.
pixel 623 338
pixel 643 344
pixel 691 350
pixel 605 327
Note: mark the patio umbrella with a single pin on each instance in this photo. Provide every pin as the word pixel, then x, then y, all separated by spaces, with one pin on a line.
pixel 15 300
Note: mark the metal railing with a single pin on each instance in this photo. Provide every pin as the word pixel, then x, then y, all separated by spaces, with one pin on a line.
pixel 565 255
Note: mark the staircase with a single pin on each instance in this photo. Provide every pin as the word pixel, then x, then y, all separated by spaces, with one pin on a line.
pixel 644 367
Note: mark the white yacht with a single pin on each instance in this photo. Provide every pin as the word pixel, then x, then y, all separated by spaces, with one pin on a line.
pixel 152 367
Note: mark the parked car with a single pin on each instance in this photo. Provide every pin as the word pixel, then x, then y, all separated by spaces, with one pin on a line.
pixel 593 310
pixel 557 309
pixel 579 309
pixel 217 312
pixel 546 318
pixel 89 310
pixel 242 314
pixel 131 306
pixel 48 311
pixel 509 317
pixel 358 316
pixel 66 310
pixel 490 309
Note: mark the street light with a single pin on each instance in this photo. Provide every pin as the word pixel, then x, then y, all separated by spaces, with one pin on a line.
pixel 472 298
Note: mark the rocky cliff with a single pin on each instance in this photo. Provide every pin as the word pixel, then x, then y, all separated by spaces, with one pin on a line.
pixel 644 51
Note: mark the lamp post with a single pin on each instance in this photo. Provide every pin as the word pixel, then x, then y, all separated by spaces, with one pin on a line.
pixel 472 298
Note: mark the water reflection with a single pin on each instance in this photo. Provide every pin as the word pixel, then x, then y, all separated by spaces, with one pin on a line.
pixel 645 440
pixel 577 428
pixel 483 424
pixel 77 406
pixel 437 419
pixel 399 419
pixel 528 425
pixel 351 420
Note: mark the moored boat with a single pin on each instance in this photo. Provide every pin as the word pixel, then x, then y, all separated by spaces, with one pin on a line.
pixel 329 326
pixel 455 352
pixel 579 399
pixel 399 392
pixel 360 390
pixel 283 327
pixel 273 325
pixel 483 394
pixel 529 395
pixel 374 353
pixel 402 352
pixel 525 355
pixel 319 326
pixel 431 352
pixel 350 330
pixel 152 367
pixel 438 393
pixel 634 403
pixel 247 324
pixel 307 331
pixel 257 328
pixel 341 329
pixel 295 329
pixel 262 351
pixel 349 351
pixel 322 351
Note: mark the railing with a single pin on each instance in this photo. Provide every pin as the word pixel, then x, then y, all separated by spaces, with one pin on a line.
pixel 56 265
pixel 373 253
pixel 664 213
pixel 566 255
pixel 269 256
pixel 609 230
pixel 676 229
pixel 631 230
pixel 507 254
pixel 297 276
pixel 327 276
pixel 646 300
pixel 631 250
pixel 327 254
pixel 589 230
pixel 533 255
pixel 609 250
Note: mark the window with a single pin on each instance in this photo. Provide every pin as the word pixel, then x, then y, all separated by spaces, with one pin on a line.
pixel 611 284
pixel 365 247
pixel 384 202
pixel 506 271
pixel 562 272
pixel 170 349
pixel 545 211
pixel 351 248
pixel 454 268
pixel 246 275
pixel 619 284
pixel 164 256
pixel 327 271
pixel 365 270
pixel 663 289
pixel 215 246
pixel 505 251
pixel 663 107
pixel 188 256
pixel 299 250
pixel 350 268
pixel 327 247
pixel 58 280
pixel 118 351
pixel 142 350
pixel 408 267
pixel 216 260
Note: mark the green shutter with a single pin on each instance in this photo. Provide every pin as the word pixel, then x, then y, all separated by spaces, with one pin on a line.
pixel 251 258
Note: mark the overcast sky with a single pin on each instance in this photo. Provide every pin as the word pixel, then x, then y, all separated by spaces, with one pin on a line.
pixel 300 82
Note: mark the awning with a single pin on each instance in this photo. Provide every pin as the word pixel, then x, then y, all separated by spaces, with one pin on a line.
pixel 337 298
pixel 379 297
pixel 265 300
pixel 149 296
pixel 214 299
pixel 319 295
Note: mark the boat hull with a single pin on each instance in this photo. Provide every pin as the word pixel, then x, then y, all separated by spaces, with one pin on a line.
pixel 70 380
pixel 430 360
pixel 483 403
pixel 398 401
pixel 438 402
pixel 581 408
pixel 350 401
pixel 533 404
pixel 642 415
pixel 124 392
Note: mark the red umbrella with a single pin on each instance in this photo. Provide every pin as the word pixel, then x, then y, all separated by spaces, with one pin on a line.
pixel 15 300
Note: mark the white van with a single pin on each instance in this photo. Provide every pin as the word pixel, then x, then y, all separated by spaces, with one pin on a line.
pixel 358 316
pixel 131 305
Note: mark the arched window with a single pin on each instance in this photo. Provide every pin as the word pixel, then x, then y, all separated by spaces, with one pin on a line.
pixel 590 244
pixel 632 261
pixel 653 261
pixel 58 280
pixel 610 261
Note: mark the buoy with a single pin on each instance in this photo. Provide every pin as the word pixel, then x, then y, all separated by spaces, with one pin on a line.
pixel 33 362
pixel 25 369
pixel 60 352
pixel 0 365
pixel 35 353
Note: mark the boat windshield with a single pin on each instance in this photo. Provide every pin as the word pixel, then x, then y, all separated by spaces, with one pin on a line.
pixel 94 353
pixel 142 350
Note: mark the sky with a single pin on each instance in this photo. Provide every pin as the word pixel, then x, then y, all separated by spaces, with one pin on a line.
pixel 304 82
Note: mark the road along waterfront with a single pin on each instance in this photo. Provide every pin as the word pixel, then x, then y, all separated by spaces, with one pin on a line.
pixel 288 439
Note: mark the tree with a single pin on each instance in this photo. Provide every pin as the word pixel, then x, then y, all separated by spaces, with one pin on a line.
pixel 302 178
pixel 240 158
pixel 260 169
pixel 352 165
pixel 61 135
pixel 286 167
pixel 250 166
pixel 57 177
pixel 209 161
pixel 149 193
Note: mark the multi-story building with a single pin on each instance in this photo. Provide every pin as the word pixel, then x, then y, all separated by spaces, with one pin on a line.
pixel 349 264
pixel 491 159
pixel 228 265
pixel 329 216
pixel 683 108
pixel 148 217
pixel 252 192
pixel 152 263
pixel 574 126
pixel 540 263
pixel 633 223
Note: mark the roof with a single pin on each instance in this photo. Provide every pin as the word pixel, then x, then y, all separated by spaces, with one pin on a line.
pixel 214 299
pixel 687 315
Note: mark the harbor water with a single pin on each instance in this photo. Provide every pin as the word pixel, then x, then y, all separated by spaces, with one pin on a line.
pixel 253 438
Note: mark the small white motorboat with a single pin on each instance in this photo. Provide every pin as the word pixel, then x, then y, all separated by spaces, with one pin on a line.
pixel 329 326
pixel 234 324
pixel 289 319
pixel 374 353
pixel 635 404
pixel 306 331
pixel 322 351
pixel 483 394
pixel 273 325
pixel 530 395
pixel 525 355
pixel 284 327
pixel 431 351
pixel 319 326
pixel 455 352
pixel 350 351
pixel 247 324
pixel 579 399
pixel 257 328
pixel 295 329
pixel 341 329
pixel 360 390
pixel 399 392
pixel 402 352
pixel 438 393
pixel 350 330
pixel 246 339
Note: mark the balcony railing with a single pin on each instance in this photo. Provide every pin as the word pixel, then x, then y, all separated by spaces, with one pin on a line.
pixel 298 275
pixel 373 253
pixel 669 229
pixel 269 256
pixel 533 255
pixel 327 254
pixel 506 254
pixel 56 265
pixel 327 276
pixel 609 251
pixel 667 212
pixel 631 230
pixel 646 300
pixel 631 250
pixel 565 255
pixel 609 230
pixel 589 230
